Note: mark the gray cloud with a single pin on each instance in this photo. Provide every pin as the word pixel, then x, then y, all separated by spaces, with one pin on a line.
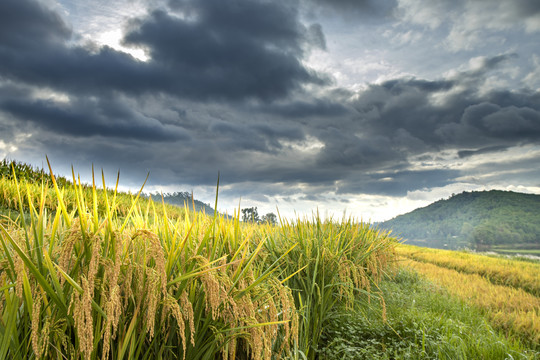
pixel 226 53
pixel 89 117
pixel 306 109
pixel 237 48
pixel 226 89
pixel 35 24
pixel 396 183
pixel 353 9
pixel 463 116
pixel 490 149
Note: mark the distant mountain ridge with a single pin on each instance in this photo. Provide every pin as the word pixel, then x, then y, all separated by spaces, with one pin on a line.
pixel 482 220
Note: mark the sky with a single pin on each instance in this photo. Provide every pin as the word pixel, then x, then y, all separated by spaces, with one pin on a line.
pixel 370 108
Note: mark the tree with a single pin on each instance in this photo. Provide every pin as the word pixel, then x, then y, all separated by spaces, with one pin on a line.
pixel 269 218
pixel 250 215
pixel 483 237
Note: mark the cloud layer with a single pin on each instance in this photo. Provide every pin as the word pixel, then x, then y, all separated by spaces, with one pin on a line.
pixel 254 89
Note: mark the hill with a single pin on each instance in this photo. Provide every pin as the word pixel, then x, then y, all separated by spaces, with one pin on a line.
pixel 35 175
pixel 181 198
pixel 485 220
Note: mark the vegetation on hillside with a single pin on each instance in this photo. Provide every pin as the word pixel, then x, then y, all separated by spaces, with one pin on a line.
pixel 480 220
pixel 182 199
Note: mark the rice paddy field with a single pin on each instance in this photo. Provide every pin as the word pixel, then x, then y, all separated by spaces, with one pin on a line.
pixel 87 273
pixel 507 291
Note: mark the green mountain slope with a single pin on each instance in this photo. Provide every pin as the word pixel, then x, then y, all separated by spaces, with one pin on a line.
pixel 31 174
pixel 481 220
pixel 181 198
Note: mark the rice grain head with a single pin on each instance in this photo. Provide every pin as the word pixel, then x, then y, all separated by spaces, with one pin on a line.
pixel 36 319
pixel 66 251
pixel 20 269
pixel 187 313
pixel 81 305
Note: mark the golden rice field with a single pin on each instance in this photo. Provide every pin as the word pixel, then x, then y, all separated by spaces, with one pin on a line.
pixel 518 274
pixel 510 308
pixel 90 274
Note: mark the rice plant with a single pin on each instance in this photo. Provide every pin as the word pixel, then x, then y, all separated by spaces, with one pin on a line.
pixel 334 264
pixel 141 285
pixel 88 274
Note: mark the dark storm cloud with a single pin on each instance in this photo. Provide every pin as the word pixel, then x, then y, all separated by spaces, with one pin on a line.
pixel 250 49
pixel 307 109
pixel 87 117
pixel 226 52
pixel 346 149
pixel 406 117
pixel 487 150
pixel 224 90
pixel 26 24
pixel 394 183
pixel 367 9
pixel 462 116
pixel 256 136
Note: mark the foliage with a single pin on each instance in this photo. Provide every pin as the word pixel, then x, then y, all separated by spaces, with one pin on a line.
pixel 480 220
pixel 25 172
pixel 250 215
pixel 184 199
pixel 37 186
pixel 269 218
pixel 423 322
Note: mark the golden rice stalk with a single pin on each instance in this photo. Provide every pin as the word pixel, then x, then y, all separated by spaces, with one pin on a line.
pixel 172 307
pixel 66 252
pixel 36 309
pixel 152 297
pixel 187 313
pixel 81 305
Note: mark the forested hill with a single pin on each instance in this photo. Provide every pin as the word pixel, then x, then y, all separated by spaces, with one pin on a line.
pixel 481 220
pixel 181 198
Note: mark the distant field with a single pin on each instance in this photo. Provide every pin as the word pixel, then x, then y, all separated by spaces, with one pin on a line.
pixel 517 252
pixel 508 291
pixel 500 271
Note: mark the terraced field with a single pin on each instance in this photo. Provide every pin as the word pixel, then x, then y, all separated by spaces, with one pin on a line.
pixel 506 290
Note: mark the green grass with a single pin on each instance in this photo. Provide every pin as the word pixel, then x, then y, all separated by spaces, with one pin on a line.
pixel 423 322
pixel 518 252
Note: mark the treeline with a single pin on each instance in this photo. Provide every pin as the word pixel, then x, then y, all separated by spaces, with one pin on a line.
pixel 479 220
